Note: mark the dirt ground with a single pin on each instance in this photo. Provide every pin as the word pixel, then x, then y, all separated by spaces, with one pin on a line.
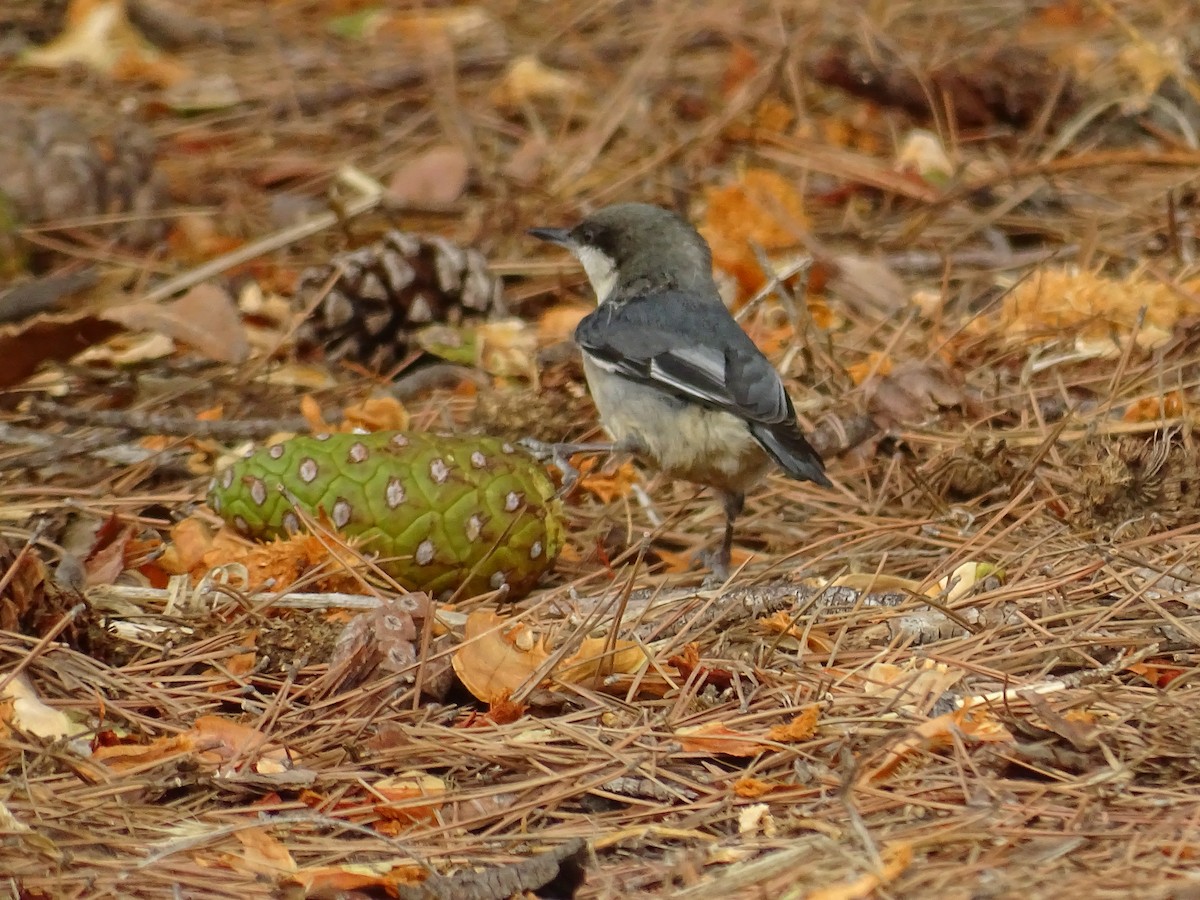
pixel 965 233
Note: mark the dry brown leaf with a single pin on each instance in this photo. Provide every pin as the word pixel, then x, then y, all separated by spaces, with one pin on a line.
pixel 461 27
pixel 876 365
pixel 1171 405
pixel 761 208
pixel 594 660
pixel 784 622
pixel 718 738
pixel 106 561
pixel 376 414
pixel 802 727
pixel 913 687
pixel 344 880
pixel 191 539
pixel 310 409
pixel 971 722
pixel 528 80
pixel 205 318
pixel 753 788
pixel 497 656
pixel 434 180
pixel 527 163
pixel 262 854
pixel 1159 674
pixel 913 391
pixel 866 284
pixel 27 344
pixel 398 792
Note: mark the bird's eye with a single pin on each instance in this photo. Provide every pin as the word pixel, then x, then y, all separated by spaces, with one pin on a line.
pixel 586 234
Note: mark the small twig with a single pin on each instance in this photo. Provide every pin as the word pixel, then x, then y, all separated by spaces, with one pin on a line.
pixel 176 426
pixel 277 241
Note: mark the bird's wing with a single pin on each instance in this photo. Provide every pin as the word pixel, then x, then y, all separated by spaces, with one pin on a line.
pixel 686 348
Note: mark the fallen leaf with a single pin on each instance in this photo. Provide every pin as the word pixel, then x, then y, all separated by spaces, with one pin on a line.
pixel 106 559
pixel 717 738
pixel 1171 405
pixel 432 30
pixel 399 791
pixel 594 660
pixel 497 656
pixel 973 722
pixel 206 318
pixel 344 880
pixel 763 208
pixel 191 539
pixel 802 727
pixel 752 788
pixel 742 65
pixel 1158 674
pixel 310 409
pixel 528 161
pixel 528 80
pixel 262 854
pixel 914 687
pixel 866 284
pixel 607 486
pixel 913 391
pixel 27 344
pixel 376 414
pixel 434 180
pixel 21 708
pixel 213 741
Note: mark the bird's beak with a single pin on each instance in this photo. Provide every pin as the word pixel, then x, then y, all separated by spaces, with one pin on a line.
pixel 560 236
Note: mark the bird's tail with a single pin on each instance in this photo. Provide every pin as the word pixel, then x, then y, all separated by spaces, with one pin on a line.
pixel 788 447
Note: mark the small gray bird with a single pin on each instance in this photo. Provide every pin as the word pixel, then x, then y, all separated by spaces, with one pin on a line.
pixel 676 380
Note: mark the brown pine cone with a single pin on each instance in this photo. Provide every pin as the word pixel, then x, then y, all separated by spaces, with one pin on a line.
pixel 389 290
pixel 51 167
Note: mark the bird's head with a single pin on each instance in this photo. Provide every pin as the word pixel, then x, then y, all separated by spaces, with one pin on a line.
pixel 635 246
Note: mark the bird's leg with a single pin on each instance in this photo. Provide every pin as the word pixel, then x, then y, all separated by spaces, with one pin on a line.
pixel 559 454
pixel 718 561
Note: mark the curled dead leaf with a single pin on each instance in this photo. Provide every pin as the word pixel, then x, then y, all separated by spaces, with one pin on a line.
pixel 497 656
pixel 528 80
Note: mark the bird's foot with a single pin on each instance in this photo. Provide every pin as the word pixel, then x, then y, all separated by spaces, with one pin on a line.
pixel 556 455
pixel 559 456
pixel 718 565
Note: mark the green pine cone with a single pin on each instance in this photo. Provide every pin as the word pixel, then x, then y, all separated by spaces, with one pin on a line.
pixel 438 512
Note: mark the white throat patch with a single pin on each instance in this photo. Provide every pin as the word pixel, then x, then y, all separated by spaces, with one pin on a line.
pixel 601 271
